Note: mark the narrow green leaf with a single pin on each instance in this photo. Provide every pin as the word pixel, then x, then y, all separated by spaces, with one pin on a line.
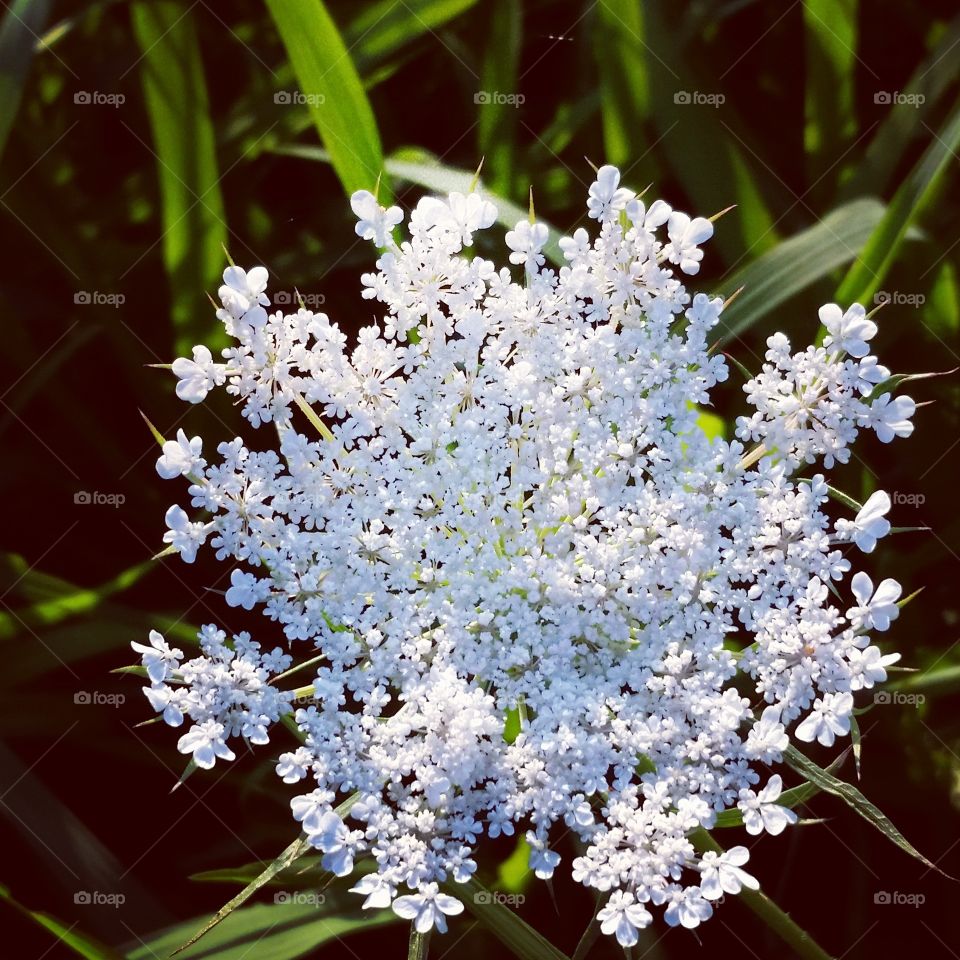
pixel 74 602
pixel 624 86
pixel 844 498
pixel 773 917
pixel 942 312
pixel 855 800
pixel 757 227
pixel 496 101
pixel 568 121
pixel 385 27
pixel 67 935
pixel 744 372
pixel 513 932
pixel 870 268
pixel 795 264
pixel 899 379
pixel 696 130
pixel 907 116
pixel 188 771
pixel 193 218
pixel 291 854
pixel 155 433
pixel 916 593
pixel 65 851
pixel 335 96
pixel 831 60
pixel 243 875
pixel 942 681
pixel 22 22
pixel 33 585
pixel 266 931
pixel 789 798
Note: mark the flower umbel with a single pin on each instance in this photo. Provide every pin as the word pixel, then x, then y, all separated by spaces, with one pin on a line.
pixel 498 503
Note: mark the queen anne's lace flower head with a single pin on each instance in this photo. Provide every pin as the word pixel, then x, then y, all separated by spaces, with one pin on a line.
pixel 497 505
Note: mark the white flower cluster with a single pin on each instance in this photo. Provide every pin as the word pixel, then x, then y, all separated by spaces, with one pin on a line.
pixel 811 404
pixel 226 691
pixel 496 511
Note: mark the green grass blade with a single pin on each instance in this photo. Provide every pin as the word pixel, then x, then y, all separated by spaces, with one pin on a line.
pixel 831 60
pixel 383 28
pixel 67 935
pixel 292 853
pixel 513 932
pixel 304 873
pixel 855 800
pixel 22 22
pixel 694 137
pixel 624 87
pixel 193 218
pixel 942 312
pixel 796 263
pixel 899 379
pixel 907 118
pixel 75 602
pixel 267 931
pixel 943 681
pixel 568 121
pixel 335 96
pixel 35 586
pixel 870 268
pixel 496 114
pixel 789 798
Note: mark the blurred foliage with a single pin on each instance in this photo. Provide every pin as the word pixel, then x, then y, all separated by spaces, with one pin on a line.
pixel 140 137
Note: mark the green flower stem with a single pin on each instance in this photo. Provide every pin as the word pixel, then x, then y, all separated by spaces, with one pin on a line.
pixel 589 938
pixel 419 944
pixel 311 415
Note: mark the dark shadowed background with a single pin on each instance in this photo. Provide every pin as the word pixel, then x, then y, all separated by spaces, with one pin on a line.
pixel 139 137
